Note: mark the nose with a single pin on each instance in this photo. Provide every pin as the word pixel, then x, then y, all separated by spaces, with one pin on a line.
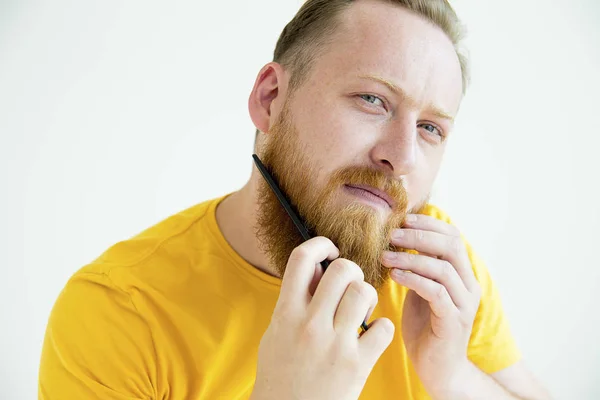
pixel 396 149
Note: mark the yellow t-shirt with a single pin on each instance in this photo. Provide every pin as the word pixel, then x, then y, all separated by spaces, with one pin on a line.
pixel 176 313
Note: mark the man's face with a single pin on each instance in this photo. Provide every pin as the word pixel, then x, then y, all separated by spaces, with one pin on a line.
pixel 348 126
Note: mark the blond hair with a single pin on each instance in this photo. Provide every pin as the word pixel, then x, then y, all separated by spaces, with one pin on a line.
pixel 313 26
pixel 306 36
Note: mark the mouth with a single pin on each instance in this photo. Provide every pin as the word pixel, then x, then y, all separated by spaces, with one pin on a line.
pixel 371 193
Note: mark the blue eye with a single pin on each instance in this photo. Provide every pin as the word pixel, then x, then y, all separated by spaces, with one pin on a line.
pixel 371 99
pixel 431 129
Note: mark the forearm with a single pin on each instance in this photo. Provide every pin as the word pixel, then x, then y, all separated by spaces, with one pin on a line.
pixel 473 384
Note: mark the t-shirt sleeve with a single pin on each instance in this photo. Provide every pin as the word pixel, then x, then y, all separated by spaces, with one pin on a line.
pixel 97 346
pixel 492 346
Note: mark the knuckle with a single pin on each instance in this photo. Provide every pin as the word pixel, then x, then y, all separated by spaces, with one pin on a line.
pixel 387 326
pixel 337 267
pixel 359 290
pixel 446 270
pixel 345 267
pixel 310 331
pixel 460 316
pixel 419 235
pixel 441 293
pixel 370 291
pixel 299 253
pixel 455 243
pixel 385 331
pixel 365 292
pixel 323 239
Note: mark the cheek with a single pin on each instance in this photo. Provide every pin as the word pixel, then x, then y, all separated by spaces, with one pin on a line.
pixel 332 133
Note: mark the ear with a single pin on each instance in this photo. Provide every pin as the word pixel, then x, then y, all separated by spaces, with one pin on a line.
pixel 267 96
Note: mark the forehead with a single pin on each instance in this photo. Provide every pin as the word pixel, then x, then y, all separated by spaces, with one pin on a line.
pixel 391 42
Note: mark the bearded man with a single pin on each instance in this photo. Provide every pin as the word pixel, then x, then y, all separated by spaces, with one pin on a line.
pixel 225 300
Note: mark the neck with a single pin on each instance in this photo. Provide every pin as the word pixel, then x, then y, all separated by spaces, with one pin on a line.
pixel 236 217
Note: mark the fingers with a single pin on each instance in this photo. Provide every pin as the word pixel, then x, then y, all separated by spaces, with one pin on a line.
pixel 429 223
pixel 432 236
pixel 374 341
pixel 434 293
pixel 334 283
pixel 440 271
pixel 301 269
pixel 358 301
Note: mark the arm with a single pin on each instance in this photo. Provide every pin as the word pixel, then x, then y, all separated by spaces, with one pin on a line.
pixel 512 383
pixel 518 379
pixel 97 346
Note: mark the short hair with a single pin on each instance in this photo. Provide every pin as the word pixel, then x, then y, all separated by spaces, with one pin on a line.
pixel 305 37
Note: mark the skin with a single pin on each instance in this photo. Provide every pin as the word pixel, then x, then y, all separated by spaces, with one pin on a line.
pixel 397 122
pixel 362 241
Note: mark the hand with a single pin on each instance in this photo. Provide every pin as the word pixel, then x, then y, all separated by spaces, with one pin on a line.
pixel 311 349
pixel 440 308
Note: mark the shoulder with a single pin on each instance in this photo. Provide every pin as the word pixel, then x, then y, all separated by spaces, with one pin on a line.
pixel 106 310
pixel 152 251
pixel 150 240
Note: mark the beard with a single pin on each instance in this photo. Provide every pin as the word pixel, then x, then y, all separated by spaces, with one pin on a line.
pixel 360 232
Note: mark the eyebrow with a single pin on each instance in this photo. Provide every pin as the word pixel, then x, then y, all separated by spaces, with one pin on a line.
pixel 398 90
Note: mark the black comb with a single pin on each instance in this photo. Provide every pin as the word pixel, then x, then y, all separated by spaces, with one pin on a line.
pixel 290 211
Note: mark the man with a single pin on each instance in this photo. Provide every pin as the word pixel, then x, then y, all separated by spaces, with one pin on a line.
pixel 224 301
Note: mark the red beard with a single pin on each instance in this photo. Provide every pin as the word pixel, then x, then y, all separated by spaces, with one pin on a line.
pixel 360 231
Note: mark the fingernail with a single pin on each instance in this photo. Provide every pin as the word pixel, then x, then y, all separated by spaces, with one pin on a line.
pixel 398 274
pixel 411 218
pixel 389 256
pixel 398 234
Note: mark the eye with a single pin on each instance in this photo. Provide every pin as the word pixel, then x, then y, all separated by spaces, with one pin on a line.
pixel 371 99
pixel 431 129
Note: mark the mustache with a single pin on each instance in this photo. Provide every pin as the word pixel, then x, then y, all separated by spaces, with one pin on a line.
pixel 363 175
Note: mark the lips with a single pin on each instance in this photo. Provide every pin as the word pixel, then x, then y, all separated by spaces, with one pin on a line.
pixel 379 193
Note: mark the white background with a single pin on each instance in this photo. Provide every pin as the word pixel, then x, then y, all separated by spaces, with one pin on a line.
pixel 114 115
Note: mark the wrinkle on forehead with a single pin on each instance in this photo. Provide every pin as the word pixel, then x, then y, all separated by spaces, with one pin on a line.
pixel 390 41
